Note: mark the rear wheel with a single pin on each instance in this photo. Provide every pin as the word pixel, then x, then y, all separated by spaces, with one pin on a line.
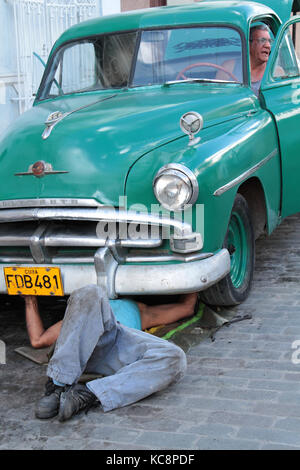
pixel 234 288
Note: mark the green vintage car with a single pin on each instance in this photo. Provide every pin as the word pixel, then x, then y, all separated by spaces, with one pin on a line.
pixel 145 165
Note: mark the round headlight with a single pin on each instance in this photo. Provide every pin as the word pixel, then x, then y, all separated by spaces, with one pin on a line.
pixel 175 186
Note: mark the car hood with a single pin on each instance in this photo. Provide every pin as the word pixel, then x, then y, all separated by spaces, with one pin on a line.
pixel 103 134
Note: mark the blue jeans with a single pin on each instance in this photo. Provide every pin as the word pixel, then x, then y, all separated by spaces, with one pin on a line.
pixel 134 364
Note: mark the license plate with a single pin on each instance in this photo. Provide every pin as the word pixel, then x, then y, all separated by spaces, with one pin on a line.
pixel 33 281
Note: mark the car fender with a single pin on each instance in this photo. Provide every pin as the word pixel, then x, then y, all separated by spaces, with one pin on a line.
pixel 228 156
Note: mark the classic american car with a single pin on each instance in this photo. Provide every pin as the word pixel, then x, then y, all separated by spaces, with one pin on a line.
pixel 144 164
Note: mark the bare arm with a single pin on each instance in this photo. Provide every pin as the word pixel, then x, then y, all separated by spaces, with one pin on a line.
pixel 154 315
pixel 39 337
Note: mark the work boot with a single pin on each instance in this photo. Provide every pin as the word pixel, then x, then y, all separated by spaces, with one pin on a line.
pixel 48 406
pixel 74 399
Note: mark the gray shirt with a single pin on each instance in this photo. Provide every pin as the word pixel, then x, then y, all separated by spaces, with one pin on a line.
pixel 256 86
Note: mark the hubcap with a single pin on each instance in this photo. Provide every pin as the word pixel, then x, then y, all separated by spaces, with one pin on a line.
pixel 239 250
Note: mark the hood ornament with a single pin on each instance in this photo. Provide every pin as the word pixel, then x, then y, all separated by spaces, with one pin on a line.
pixel 52 120
pixel 57 116
pixel 191 123
pixel 40 169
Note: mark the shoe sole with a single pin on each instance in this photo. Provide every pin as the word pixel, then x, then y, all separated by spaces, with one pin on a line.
pixel 43 415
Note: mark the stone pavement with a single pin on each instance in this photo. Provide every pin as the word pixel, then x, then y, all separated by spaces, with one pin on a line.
pixel 241 391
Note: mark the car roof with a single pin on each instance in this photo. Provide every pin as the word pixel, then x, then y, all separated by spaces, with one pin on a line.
pixel 235 13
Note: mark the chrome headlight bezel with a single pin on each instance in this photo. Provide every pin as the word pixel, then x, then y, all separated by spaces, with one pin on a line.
pixel 186 175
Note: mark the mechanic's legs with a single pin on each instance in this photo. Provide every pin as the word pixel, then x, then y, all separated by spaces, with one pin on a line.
pixel 147 364
pixel 136 364
pixel 88 321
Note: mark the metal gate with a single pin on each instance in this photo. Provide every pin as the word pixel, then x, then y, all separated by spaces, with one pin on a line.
pixel 38 23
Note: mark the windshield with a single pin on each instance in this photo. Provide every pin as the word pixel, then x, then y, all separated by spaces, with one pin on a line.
pixel 109 61
pixel 97 63
pixel 210 53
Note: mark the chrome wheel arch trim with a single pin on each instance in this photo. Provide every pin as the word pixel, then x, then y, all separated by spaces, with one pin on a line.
pixel 245 175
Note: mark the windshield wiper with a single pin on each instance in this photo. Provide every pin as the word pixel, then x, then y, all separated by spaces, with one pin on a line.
pixel 197 80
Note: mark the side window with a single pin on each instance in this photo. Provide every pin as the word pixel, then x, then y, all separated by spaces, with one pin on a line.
pixel 78 69
pixel 56 87
pixel 295 33
pixel 287 62
pixel 75 70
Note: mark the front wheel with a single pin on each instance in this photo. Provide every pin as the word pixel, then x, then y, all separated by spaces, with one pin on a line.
pixel 239 241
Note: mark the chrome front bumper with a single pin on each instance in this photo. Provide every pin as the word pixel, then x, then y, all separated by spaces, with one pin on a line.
pixel 173 279
pixel 49 232
pixel 140 279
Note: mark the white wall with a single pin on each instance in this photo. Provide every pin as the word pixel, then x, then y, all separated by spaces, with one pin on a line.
pixel 179 2
pixel 109 7
pixel 9 108
pixel 8 66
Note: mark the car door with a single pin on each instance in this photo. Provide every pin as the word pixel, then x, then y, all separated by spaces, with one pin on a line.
pixel 280 91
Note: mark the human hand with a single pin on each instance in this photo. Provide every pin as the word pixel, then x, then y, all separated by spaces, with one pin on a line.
pixel 29 299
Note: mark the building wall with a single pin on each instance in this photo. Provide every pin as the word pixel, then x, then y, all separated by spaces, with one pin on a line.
pixel 137 4
pixel 127 5
pixel 180 2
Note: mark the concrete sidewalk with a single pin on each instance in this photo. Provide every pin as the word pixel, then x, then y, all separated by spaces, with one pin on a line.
pixel 241 391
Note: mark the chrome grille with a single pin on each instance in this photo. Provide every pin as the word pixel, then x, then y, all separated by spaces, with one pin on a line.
pixel 69 234
pixel 62 242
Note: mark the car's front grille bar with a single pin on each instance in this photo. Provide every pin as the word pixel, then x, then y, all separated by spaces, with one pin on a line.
pixel 71 258
pixel 47 232
pixel 54 234
pixel 45 240
pixel 98 214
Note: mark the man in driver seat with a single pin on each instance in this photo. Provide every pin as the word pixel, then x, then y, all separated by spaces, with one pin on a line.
pixel 260 49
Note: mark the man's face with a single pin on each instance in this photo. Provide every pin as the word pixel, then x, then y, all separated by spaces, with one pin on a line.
pixel 260 47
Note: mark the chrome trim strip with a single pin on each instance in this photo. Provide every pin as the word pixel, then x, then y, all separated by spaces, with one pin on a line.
pixel 76 242
pixel 50 172
pixel 89 258
pixel 86 242
pixel 244 175
pixel 19 203
pixel 16 260
pixel 197 80
pixel 165 258
pixel 52 121
pixel 36 241
pixel 98 214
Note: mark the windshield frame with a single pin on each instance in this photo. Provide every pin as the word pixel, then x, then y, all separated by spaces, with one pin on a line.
pixel 54 53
